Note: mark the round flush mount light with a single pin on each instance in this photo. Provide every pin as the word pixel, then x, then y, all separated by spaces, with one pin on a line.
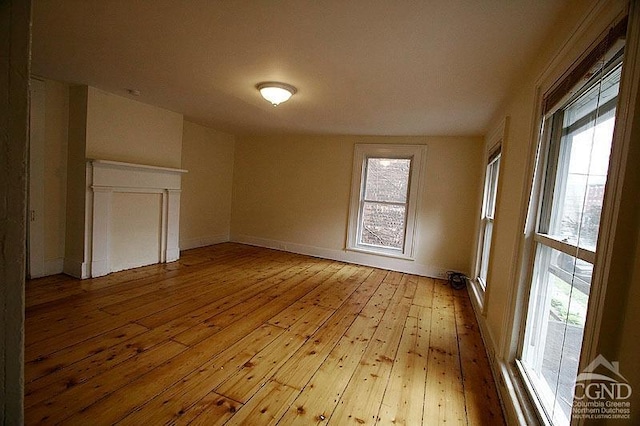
pixel 276 92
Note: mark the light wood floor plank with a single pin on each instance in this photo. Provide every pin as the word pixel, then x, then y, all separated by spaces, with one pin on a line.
pixel 362 399
pixel 305 362
pixel 180 398
pixel 61 406
pixel 481 398
pixel 403 401
pixel 259 369
pixel 212 410
pixel 266 407
pixel 319 398
pixel 45 363
pixel 234 334
pixel 444 394
pixel 81 371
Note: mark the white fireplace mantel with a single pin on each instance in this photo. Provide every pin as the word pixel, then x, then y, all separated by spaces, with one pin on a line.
pixel 120 198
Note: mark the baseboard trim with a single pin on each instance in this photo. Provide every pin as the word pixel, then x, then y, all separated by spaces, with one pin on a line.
pixel 172 255
pixel 76 269
pixel 364 259
pixel 210 240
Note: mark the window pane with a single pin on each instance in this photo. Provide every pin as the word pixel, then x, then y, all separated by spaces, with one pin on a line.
pixel 383 225
pixel 486 247
pixel 387 179
pixel 555 326
pixel 492 187
pixel 595 97
pixel 582 166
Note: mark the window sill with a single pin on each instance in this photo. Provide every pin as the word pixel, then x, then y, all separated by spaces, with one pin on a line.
pixel 477 294
pixel 380 253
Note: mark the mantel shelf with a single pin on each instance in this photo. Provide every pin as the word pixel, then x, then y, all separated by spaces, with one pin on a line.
pixel 121 164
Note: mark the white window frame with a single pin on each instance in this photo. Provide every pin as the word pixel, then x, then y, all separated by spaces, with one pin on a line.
pixel 495 145
pixel 520 408
pixel 536 390
pixel 362 152
pixel 487 218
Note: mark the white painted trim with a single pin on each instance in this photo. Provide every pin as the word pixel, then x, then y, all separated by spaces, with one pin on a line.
pixel 132 166
pixel 209 240
pixel 485 332
pixel 347 256
pixel 171 227
pixel 361 152
pixel 518 409
pixel 477 294
pixel 105 178
pixel 133 177
pixel 100 231
pixel 76 269
pixel 495 139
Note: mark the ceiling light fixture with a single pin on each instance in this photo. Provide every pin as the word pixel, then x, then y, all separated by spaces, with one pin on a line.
pixel 276 92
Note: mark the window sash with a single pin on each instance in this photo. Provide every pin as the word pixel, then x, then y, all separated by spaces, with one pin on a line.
pixel 485 247
pixel 491 186
pixel 364 201
pixel 492 172
pixel 559 262
pixel 362 153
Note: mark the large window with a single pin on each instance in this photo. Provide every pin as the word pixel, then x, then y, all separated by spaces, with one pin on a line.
pixel 574 161
pixel 383 199
pixel 488 214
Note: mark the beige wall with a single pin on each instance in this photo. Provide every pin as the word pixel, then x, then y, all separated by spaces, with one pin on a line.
pixel 55 169
pixel 292 192
pixel 205 203
pixel 76 182
pixel 123 129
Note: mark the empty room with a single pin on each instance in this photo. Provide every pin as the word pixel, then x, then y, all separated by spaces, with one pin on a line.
pixel 320 212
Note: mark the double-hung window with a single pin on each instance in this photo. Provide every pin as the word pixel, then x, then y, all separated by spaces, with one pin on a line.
pixel 383 199
pixel 488 215
pixel 573 162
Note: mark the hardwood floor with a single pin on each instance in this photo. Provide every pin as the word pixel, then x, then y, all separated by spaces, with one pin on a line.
pixel 240 335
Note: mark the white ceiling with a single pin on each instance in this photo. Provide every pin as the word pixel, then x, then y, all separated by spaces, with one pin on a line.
pixel 368 67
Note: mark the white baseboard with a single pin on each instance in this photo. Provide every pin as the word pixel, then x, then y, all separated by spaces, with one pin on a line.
pixel 53 266
pixel 210 240
pixel 173 255
pixel 100 268
pixel 393 264
pixel 76 268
